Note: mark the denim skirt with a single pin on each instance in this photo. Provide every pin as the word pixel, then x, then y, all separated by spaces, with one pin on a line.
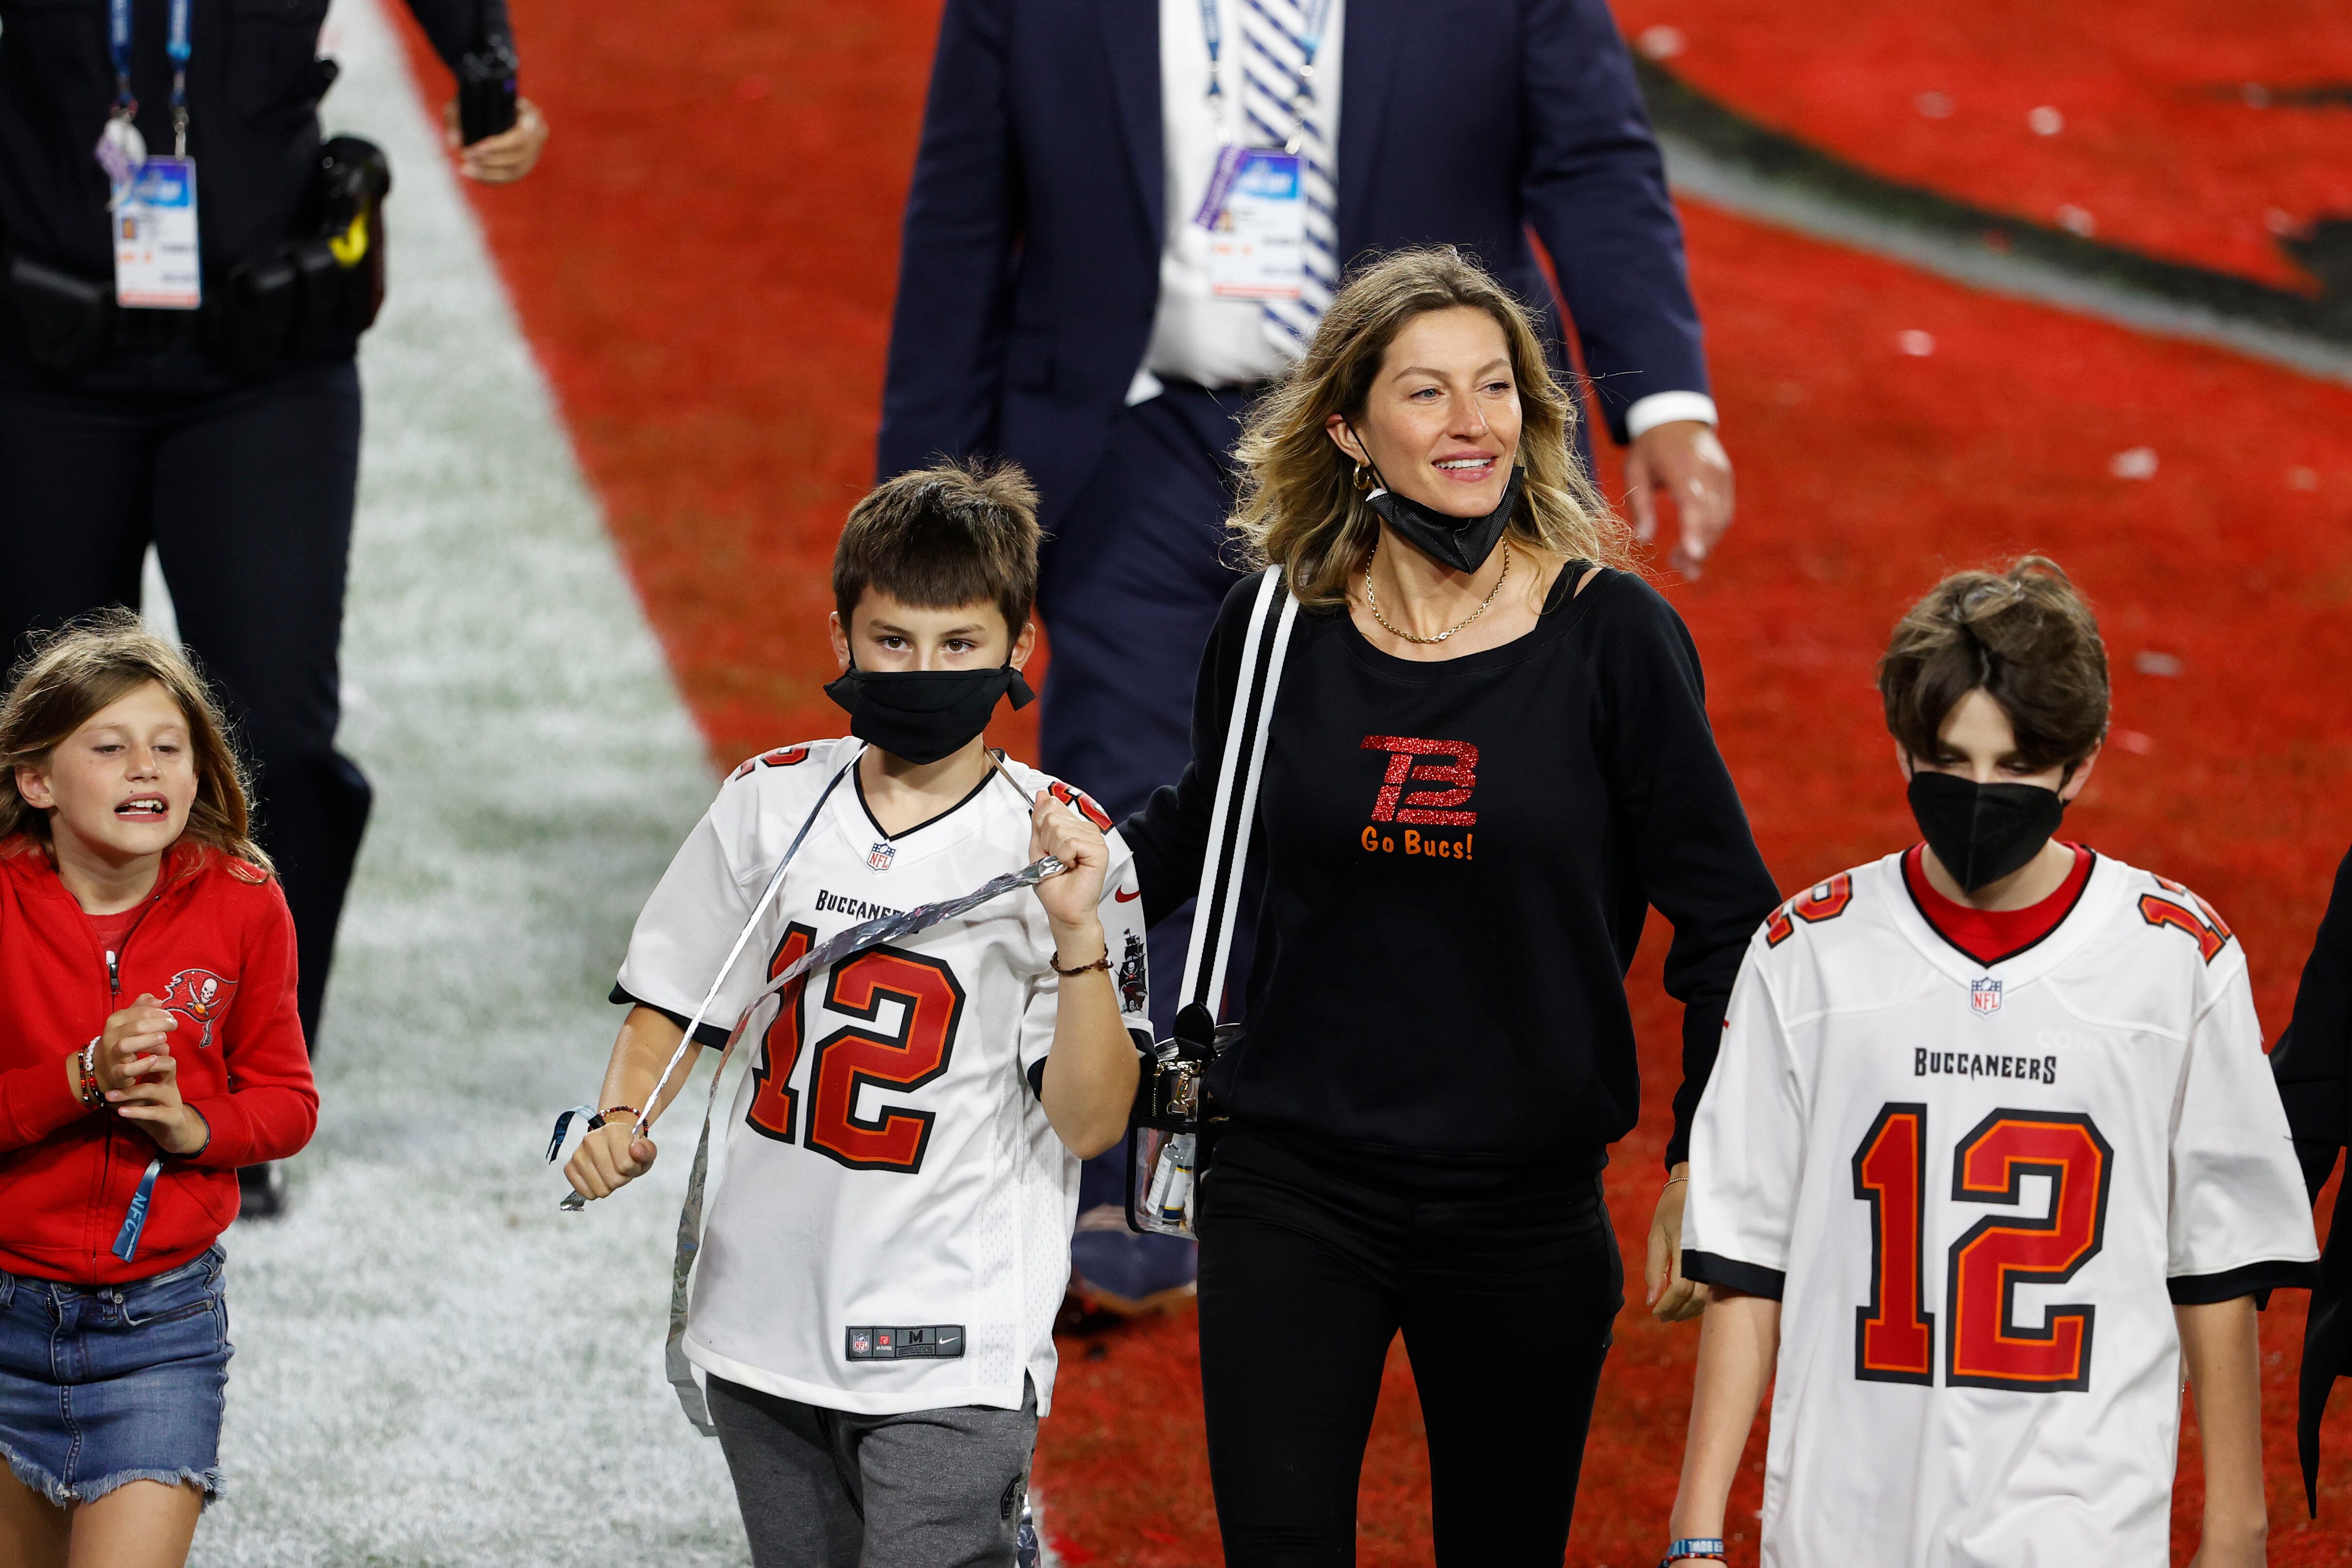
pixel 116 1383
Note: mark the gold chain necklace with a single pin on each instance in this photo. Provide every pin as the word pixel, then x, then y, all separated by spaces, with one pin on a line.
pixel 1372 603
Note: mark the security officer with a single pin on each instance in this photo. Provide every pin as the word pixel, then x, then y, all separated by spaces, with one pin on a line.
pixel 176 363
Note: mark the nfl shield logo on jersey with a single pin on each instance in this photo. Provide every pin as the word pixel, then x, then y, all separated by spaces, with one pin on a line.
pixel 1984 995
pixel 881 855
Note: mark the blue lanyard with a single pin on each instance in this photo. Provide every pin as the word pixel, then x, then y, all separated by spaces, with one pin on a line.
pixel 1213 29
pixel 118 40
pixel 1314 14
pixel 126 1240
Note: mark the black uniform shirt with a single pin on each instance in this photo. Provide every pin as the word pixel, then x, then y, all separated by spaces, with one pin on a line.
pixel 1458 859
pixel 254 85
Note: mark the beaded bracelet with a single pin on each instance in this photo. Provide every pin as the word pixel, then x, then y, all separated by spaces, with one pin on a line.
pixel 87 1082
pixel 606 1116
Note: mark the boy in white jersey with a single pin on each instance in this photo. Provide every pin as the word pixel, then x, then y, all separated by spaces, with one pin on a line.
pixel 890 1235
pixel 1989 1150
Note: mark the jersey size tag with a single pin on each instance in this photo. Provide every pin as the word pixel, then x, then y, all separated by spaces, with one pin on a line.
pixel 940 1342
pixel 1255 213
pixel 156 263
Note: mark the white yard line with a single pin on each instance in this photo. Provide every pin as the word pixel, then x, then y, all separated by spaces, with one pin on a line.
pixel 435 1367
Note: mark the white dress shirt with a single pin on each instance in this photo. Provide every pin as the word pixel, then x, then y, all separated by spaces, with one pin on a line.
pixel 1195 336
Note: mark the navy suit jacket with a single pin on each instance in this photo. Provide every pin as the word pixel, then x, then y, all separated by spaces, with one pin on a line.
pixel 1030 266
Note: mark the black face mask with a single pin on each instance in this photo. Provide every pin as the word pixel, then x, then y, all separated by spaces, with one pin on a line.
pixel 922 715
pixel 1981 832
pixel 1462 543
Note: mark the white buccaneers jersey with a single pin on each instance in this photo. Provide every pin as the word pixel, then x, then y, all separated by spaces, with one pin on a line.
pixel 1977 1192
pixel 890 1227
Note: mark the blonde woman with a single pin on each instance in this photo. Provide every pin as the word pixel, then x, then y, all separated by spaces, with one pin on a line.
pixel 1489 757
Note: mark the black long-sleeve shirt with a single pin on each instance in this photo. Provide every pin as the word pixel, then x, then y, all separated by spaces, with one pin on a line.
pixel 1458 857
pixel 254 85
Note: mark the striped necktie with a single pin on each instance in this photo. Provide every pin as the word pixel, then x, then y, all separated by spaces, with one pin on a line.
pixel 1279 38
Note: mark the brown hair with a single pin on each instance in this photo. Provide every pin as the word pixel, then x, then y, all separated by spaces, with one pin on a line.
pixel 2026 638
pixel 1299 506
pixel 939 537
pixel 91 664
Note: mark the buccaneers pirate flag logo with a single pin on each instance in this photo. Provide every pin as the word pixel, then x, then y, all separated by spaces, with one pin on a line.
pixel 202 996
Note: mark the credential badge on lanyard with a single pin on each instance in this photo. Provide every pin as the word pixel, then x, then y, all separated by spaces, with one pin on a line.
pixel 152 204
pixel 1256 205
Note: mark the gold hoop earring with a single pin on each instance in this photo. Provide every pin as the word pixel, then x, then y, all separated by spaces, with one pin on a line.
pixel 1364 478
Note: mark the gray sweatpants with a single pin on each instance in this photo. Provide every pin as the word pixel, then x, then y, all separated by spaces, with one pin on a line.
pixel 829 1489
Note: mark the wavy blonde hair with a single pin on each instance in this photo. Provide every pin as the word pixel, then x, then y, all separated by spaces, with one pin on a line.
pixel 85 667
pixel 1299 506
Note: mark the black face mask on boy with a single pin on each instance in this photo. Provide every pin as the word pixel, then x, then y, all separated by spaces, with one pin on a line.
pixel 923 715
pixel 1983 832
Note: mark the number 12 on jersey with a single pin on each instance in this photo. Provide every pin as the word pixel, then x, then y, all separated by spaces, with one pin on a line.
pixel 1984 1344
pixel 856 1056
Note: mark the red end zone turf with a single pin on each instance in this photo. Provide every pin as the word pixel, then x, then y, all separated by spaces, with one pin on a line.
pixel 705 265
pixel 2158 139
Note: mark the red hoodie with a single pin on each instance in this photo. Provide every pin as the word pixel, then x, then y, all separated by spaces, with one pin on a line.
pixel 214 944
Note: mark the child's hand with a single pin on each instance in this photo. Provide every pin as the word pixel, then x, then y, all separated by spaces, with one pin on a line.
pixel 136 1033
pixel 607 1160
pixel 1070 898
pixel 140 1077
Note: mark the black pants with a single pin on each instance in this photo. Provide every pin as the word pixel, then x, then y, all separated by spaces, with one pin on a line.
pixel 1505 1284
pixel 247 494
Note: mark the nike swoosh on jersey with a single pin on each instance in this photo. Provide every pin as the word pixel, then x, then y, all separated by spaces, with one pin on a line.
pixel 1124 897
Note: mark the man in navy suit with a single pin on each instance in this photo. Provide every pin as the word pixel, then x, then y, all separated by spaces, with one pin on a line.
pixel 1058 304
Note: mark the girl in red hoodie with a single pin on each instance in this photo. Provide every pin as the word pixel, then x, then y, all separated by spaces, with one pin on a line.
pixel 148 1048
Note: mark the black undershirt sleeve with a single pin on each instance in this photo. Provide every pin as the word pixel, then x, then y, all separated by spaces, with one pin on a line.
pixel 1694 858
pixel 1170 837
